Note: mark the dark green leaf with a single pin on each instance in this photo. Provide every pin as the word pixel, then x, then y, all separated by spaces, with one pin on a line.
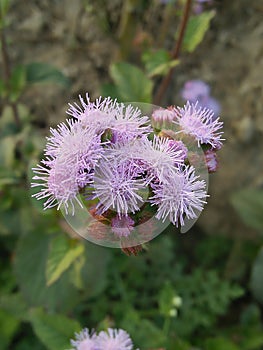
pixel 256 282
pixel 30 267
pixel 17 82
pixel 38 72
pixel 196 29
pixel 14 305
pixel 132 85
pixel 54 330
pixel 220 344
pixel 158 63
pixel 8 327
pixel 249 205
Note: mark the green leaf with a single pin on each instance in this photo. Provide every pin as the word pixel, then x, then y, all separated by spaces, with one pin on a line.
pixel 256 282
pixel 220 344
pixel 8 327
pixel 132 85
pixel 7 151
pixel 62 253
pixel 54 330
pixel 38 72
pixel 17 82
pixel 196 29
pixel 30 267
pixel 143 332
pixel 158 63
pixel 95 279
pixel 14 305
pixel 249 205
pixel 4 7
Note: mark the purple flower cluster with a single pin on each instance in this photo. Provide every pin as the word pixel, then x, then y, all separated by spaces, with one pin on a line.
pixel 199 5
pixel 199 91
pixel 120 159
pixel 112 339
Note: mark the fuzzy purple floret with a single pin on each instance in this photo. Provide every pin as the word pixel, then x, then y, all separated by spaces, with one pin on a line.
pixel 200 123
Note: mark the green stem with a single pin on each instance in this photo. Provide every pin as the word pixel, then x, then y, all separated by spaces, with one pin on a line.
pixel 166 326
pixel 127 28
pixel 7 73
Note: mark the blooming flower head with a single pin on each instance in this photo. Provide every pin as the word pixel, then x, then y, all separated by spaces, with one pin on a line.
pixel 126 122
pixel 198 90
pixel 159 157
pixel 117 187
pixel 199 123
pixel 194 90
pixel 183 196
pixel 114 339
pixel 84 341
pixel 71 153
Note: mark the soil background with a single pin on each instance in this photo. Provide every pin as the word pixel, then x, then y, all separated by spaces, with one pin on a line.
pixel 79 37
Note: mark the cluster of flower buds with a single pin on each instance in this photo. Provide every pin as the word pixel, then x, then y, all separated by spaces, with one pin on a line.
pixel 125 167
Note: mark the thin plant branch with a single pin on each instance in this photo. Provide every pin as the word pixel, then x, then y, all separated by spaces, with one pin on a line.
pixel 7 73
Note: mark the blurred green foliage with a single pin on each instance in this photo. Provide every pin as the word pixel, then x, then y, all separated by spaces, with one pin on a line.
pixel 53 284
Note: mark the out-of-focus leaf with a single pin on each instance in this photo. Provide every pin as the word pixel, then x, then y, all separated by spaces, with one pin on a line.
pixel 38 72
pixel 17 82
pixel 249 205
pixel 158 63
pixel 4 6
pixel 54 330
pixel 220 344
pixel 30 266
pixel 131 83
pixel 196 29
pixel 143 332
pixel 62 253
pixel 252 337
pixel 8 327
pixel 256 282
pixel 95 279
pixel 7 151
pixel 110 90
pixel 14 305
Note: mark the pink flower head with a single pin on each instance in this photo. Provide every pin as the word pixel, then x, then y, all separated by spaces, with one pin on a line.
pixel 117 187
pixel 159 156
pixel 71 154
pixel 114 339
pixel 84 341
pixel 198 90
pixel 193 90
pixel 126 122
pixel 183 196
pixel 199 123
